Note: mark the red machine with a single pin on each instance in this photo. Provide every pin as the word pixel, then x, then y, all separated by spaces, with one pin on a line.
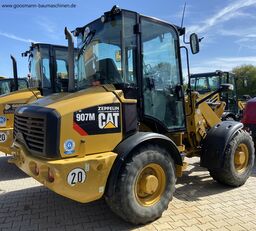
pixel 249 116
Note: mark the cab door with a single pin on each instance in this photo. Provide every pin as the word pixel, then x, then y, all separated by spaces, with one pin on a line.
pixel 163 97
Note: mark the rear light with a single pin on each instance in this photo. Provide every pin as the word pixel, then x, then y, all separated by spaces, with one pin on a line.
pixel 50 175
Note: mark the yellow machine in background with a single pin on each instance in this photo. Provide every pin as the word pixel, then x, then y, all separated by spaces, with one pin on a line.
pixel 8 85
pixel 48 74
pixel 206 83
pixel 124 128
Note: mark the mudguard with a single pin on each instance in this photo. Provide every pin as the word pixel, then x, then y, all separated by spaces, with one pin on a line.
pixel 215 143
pixel 125 148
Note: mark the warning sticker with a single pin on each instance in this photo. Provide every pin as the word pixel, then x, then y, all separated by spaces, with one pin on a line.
pixel 98 120
pixel 69 146
pixel 3 121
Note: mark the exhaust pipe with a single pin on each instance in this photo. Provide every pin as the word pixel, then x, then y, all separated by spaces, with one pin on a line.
pixel 71 76
pixel 15 73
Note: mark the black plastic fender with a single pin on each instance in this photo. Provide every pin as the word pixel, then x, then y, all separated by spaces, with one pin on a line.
pixel 124 149
pixel 215 143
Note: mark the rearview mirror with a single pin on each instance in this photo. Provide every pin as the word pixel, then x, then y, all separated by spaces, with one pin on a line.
pixel 226 87
pixel 194 43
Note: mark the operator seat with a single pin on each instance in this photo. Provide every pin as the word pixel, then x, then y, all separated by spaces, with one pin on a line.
pixel 154 99
pixel 108 70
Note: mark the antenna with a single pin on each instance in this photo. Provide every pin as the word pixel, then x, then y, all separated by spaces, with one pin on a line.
pixel 182 20
pixel 183 14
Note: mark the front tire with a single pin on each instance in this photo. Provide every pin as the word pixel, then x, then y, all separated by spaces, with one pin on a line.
pixel 145 186
pixel 238 161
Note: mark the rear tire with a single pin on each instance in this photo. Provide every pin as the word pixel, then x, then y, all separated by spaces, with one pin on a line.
pixel 238 161
pixel 145 185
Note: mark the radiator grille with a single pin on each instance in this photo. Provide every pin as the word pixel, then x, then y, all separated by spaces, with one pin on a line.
pixel 32 130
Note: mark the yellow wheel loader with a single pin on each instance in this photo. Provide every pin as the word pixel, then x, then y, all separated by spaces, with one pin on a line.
pixel 48 74
pixel 205 83
pixel 8 85
pixel 125 127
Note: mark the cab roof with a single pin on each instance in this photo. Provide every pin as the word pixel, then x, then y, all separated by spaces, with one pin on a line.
pixel 115 10
pixel 37 45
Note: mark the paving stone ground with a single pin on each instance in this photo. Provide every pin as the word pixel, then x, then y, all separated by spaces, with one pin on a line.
pixel 199 203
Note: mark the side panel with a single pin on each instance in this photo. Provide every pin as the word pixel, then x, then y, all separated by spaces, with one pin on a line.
pixel 92 124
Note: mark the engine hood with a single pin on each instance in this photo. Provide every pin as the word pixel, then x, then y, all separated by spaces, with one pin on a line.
pixel 65 103
pixel 9 102
pixel 50 99
pixel 91 116
pixel 21 96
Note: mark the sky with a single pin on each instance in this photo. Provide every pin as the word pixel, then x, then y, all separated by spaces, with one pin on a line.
pixel 228 28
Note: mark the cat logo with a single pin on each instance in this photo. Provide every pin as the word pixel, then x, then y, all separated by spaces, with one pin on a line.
pixel 108 120
pixel 100 119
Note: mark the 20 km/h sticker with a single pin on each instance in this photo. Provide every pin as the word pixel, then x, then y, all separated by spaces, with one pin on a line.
pixel 3 137
pixel 76 176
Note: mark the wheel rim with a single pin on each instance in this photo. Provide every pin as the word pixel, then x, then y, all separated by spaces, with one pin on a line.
pixel 241 158
pixel 150 185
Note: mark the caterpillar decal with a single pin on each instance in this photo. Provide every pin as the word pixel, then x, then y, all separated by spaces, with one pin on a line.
pixel 10 108
pixel 97 120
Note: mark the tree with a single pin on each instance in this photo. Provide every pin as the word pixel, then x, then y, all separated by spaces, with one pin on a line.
pixel 245 80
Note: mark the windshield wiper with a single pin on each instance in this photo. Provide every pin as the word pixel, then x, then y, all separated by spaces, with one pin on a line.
pixel 87 40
